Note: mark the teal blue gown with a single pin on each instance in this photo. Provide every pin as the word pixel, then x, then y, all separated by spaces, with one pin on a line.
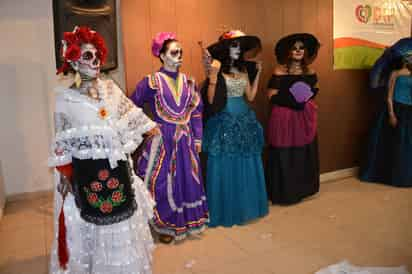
pixel 233 140
pixel 389 157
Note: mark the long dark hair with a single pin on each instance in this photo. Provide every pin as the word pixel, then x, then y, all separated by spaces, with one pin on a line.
pixel 221 52
pixel 227 62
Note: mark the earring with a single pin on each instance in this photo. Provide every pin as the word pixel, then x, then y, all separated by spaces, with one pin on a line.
pixel 77 79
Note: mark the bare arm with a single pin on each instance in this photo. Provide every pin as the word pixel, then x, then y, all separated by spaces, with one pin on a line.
pixel 252 90
pixel 213 72
pixel 391 89
pixel 389 99
pixel 271 91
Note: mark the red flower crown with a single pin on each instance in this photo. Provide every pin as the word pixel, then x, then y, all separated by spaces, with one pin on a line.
pixel 72 42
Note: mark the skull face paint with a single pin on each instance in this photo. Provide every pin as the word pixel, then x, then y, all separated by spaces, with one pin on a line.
pixel 173 57
pixel 298 51
pixel 234 51
pixel 88 64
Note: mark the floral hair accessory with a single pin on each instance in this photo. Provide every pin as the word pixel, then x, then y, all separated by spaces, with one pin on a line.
pixel 159 40
pixel 219 49
pixel 72 42
pixel 232 34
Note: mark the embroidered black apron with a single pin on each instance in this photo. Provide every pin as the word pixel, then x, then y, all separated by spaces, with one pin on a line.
pixel 103 195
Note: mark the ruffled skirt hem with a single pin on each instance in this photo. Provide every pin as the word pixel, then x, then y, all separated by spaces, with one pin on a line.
pixel 121 248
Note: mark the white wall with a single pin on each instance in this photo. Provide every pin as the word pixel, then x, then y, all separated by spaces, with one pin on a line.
pixel 27 80
pixel 2 193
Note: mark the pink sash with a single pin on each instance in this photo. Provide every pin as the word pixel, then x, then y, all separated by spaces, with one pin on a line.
pixel 292 128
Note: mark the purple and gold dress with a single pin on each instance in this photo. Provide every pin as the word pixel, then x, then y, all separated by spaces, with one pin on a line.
pixel 169 162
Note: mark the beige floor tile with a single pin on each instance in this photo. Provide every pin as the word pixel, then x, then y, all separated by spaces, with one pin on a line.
pixel 197 254
pixel 254 237
pixel 169 259
pixel 29 265
pixel 49 235
pixel 295 260
pixel 368 224
pixel 30 237
pixel 248 266
pixel 25 213
pixel 29 258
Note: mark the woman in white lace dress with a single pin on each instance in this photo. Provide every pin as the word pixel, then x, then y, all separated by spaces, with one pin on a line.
pixel 103 227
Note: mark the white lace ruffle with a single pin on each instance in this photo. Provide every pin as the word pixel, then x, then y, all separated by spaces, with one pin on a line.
pixel 345 267
pixel 101 142
pixel 122 248
pixel 131 127
pixel 83 134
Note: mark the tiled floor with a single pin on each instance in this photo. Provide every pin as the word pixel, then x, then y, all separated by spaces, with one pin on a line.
pixel 367 224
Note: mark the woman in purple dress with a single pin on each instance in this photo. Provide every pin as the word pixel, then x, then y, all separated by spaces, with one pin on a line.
pixel 170 161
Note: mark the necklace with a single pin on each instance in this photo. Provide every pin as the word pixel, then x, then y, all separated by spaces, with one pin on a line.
pixel 295 68
pixel 89 88
pixel 93 93
pixel 92 90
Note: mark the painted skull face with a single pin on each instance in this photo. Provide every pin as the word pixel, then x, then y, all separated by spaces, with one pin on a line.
pixel 298 51
pixel 234 51
pixel 89 63
pixel 174 55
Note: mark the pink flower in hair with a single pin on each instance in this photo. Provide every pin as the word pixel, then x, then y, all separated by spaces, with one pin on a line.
pixel 159 40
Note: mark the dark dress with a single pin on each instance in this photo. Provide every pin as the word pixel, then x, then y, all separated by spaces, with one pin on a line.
pixel 389 157
pixel 292 171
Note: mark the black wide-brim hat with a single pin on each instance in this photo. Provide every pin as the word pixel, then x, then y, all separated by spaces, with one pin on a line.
pixel 381 70
pixel 247 42
pixel 284 45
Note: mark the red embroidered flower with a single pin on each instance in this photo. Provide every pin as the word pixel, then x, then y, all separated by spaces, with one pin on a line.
pixel 96 186
pixel 117 196
pixel 106 207
pixel 112 183
pixel 103 175
pixel 92 198
pixel 72 53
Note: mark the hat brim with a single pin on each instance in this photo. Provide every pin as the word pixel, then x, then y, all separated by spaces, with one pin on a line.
pixel 284 45
pixel 381 70
pixel 247 42
pixel 403 47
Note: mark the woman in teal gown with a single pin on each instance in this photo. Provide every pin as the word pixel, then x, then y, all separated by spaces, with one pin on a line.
pixel 233 138
pixel 389 158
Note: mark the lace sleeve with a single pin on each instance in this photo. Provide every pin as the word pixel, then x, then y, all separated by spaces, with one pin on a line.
pixel 132 124
pixel 61 122
pixel 61 148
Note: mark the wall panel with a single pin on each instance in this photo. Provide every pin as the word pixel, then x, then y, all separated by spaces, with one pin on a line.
pixel 345 109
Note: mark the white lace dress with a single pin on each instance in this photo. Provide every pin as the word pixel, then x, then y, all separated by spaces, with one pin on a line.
pixel 109 128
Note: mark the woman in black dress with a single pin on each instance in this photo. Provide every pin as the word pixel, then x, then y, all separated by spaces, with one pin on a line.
pixel 293 164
